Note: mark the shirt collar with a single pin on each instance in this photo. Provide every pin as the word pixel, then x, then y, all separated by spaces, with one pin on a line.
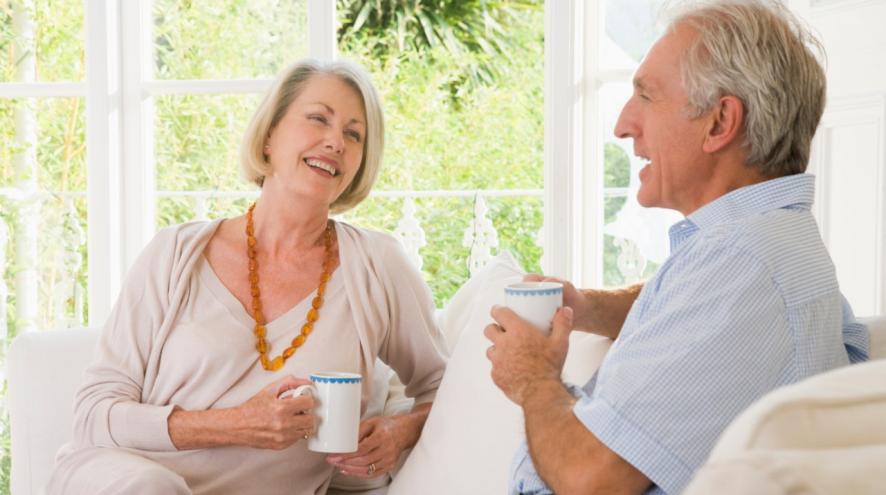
pixel 793 191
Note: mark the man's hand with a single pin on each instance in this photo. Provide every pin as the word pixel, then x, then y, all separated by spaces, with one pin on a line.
pixel 522 355
pixel 599 311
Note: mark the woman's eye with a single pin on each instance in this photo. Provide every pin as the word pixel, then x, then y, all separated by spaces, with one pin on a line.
pixel 317 118
pixel 354 135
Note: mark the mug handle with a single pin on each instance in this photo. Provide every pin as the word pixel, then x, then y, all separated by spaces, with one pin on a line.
pixel 298 391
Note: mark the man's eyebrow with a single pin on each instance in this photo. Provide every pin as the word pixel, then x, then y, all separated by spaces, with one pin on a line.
pixel 641 84
pixel 330 110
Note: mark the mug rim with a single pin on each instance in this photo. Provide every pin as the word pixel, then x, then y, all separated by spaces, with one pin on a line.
pixel 336 377
pixel 527 287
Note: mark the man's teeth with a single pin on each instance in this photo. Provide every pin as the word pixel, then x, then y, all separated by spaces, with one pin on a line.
pixel 322 166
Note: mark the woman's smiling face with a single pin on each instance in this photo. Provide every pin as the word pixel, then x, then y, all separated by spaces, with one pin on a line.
pixel 317 147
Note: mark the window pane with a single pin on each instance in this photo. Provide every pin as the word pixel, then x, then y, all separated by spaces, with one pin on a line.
pixel 459 119
pixel 635 238
pixel 444 220
pixel 227 39
pixel 630 28
pixel 57 221
pixel 198 141
pixel 55 35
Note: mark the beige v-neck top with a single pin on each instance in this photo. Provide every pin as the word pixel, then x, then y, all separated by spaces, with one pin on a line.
pixel 177 336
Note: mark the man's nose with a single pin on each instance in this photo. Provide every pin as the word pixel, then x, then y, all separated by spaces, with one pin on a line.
pixel 625 126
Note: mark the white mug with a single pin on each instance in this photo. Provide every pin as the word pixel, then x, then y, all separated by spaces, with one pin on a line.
pixel 337 406
pixel 535 302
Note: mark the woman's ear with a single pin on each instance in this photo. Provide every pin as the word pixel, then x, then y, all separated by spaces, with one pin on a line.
pixel 727 121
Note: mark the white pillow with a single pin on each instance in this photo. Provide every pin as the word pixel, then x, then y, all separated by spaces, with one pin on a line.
pixel 500 271
pixel 473 430
pixel 825 434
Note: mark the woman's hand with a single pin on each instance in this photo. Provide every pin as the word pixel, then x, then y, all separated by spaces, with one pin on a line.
pixel 269 422
pixel 264 421
pixel 382 440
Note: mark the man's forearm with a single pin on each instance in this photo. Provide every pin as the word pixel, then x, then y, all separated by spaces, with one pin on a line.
pixel 606 310
pixel 567 456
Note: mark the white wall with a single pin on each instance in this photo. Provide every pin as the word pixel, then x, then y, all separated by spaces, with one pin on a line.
pixel 849 152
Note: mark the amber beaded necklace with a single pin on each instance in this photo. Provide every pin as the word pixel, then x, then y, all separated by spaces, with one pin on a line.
pixel 260 331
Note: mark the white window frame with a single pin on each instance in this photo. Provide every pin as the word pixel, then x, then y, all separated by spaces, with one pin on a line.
pixel 119 112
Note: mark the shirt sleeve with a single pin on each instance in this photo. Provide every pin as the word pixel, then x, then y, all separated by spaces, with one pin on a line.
pixel 414 347
pixel 108 408
pixel 713 338
pixel 856 337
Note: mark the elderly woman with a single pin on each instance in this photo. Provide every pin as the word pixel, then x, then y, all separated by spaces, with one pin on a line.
pixel 217 319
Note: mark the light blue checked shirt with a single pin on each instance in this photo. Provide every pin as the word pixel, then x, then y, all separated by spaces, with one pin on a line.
pixel 748 301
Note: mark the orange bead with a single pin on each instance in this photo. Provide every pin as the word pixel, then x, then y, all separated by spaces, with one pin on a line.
pixel 253 279
pixel 261 346
pixel 324 277
pixel 260 331
pixel 312 315
pixel 288 352
pixel 250 252
pixel 298 341
pixel 256 305
pixel 259 318
pixel 321 289
pixel 251 241
pixel 307 328
pixel 276 363
pixel 264 361
pixel 253 265
pixel 255 292
pixel 317 302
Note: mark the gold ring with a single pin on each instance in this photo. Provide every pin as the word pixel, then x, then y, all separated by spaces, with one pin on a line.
pixel 371 469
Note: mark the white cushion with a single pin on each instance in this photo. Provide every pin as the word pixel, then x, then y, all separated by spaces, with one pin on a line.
pixel 877 328
pixel 826 434
pixel 473 430
pixel 45 370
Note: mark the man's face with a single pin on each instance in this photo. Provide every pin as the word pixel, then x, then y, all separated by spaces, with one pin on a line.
pixel 657 118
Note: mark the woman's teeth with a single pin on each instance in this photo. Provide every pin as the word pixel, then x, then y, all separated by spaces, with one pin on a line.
pixel 322 166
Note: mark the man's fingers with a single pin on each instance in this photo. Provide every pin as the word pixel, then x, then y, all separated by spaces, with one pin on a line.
pixel 562 324
pixel 492 332
pixel 534 277
pixel 506 317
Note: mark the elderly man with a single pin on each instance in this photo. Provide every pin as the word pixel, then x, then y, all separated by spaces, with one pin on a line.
pixel 724 109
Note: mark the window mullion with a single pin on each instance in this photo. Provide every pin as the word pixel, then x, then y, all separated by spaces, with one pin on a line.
pixel 138 169
pixel 321 29
pixel 102 27
pixel 563 143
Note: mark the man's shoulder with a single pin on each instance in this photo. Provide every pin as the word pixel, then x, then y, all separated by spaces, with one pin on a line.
pixel 785 242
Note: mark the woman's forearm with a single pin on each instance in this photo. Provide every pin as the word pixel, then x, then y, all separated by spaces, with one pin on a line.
pixel 202 429
pixel 409 425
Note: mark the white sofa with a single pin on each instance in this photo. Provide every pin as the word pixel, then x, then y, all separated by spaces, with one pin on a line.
pixel 468 441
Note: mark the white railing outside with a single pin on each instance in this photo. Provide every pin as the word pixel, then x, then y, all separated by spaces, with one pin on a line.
pixel 67 298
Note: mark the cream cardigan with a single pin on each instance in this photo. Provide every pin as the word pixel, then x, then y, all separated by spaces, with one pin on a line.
pixel 123 404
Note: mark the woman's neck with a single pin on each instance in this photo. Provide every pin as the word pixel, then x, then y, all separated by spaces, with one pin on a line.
pixel 288 226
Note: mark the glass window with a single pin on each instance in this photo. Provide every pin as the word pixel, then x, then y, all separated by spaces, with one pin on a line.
pixel 227 39
pixel 463 97
pixel 50 29
pixel 635 240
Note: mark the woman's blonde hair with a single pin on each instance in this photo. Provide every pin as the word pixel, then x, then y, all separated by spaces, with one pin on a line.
pixel 285 90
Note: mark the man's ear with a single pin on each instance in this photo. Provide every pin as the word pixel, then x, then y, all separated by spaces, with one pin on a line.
pixel 727 122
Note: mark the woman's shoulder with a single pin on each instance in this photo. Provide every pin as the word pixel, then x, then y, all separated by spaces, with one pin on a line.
pixel 176 239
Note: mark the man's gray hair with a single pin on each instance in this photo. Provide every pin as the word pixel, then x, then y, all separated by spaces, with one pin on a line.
pixel 762 54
